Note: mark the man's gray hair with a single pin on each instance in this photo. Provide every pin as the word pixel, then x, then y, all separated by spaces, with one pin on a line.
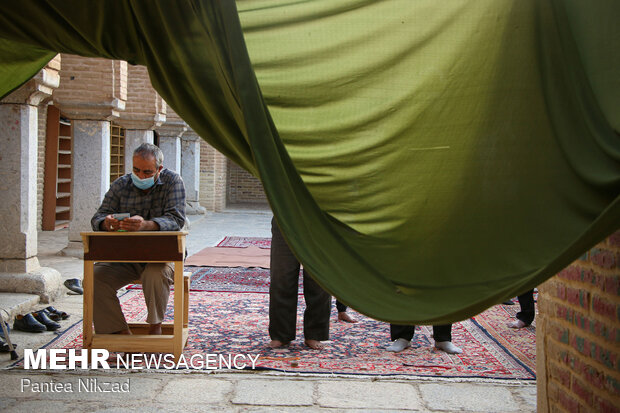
pixel 147 150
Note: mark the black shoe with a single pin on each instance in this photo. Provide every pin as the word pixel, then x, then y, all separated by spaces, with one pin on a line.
pixel 42 318
pixel 4 347
pixel 28 323
pixel 52 316
pixel 508 302
pixel 52 310
pixel 74 285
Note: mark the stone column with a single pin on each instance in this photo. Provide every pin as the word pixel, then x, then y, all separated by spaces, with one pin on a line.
pixel 144 111
pixel 93 92
pixel 90 178
pixel 170 145
pixel 170 133
pixel 190 171
pixel 20 270
pixel 133 139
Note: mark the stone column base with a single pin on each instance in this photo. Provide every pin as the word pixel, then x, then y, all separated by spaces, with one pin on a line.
pixel 73 249
pixel 194 208
pixel 45 282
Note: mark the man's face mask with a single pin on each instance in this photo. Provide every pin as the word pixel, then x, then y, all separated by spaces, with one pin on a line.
pixel 145 183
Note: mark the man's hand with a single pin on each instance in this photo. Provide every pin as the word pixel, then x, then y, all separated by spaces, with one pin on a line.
pixel 111 224
pixel 135 223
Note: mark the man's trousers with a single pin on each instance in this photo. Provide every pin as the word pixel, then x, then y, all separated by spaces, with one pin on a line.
pixel 440 332
pixel 283 292
pixel 528 308
pixel 109 277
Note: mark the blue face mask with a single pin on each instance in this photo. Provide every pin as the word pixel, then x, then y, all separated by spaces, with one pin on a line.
pixel 145 183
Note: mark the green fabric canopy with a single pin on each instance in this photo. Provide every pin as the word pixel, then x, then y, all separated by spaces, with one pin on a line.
pixel 425 160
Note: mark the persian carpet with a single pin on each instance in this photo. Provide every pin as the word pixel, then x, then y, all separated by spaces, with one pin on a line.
pixel 236 323
pixel 228 279
pixel 243 242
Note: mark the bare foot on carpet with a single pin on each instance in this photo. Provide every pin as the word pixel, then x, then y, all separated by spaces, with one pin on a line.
pixel 277 344
pixel 516 324
pixel 343 316
pixel 314 344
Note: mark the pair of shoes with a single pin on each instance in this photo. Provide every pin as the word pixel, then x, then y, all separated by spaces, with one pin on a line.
pixel 52 316
pixel 42 318
pixel 35 322
pixel 398 345
pixel 52 310
pixel 28 323
pixel 75 285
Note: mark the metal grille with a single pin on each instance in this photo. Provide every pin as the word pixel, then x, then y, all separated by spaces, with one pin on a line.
pixel 117 152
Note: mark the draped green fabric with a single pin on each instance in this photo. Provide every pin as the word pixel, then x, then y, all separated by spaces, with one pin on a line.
pixel 424 159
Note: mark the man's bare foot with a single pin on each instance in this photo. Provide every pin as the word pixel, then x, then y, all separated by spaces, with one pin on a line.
pixel 314 344
pixel 155 329
pixel 277 344
pixel 516 324
pixel 344 316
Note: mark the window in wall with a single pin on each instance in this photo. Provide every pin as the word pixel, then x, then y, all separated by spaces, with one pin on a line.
pixel 117 152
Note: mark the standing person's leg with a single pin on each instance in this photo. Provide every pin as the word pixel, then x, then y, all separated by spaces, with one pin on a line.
pixel 316 315
pixel 528 310
pixel 401 336
pixel 342 313
pixel 108 277
pixel 443 339
pixel 156 280
pixel 284 274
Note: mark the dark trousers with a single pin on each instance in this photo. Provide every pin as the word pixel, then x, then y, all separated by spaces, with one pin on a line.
pixel 440 333
pixel 528 309
pixel 340 307
pixel 283 292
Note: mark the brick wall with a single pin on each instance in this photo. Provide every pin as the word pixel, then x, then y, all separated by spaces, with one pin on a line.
pixel 578 334
pixel 91 88
pixel 243 187
pixel 89 79
pixel 212 178
pixel 144 108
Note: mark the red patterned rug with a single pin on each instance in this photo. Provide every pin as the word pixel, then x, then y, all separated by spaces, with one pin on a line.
pixel 228 279
pixel 243 242
pixel 236 279
pixel 236 323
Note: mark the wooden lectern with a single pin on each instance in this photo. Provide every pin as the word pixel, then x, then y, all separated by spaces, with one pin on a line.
pixel 141 246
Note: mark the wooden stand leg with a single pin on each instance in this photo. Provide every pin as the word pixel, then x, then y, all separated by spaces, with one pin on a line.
pixel 88 285
pixel 179 295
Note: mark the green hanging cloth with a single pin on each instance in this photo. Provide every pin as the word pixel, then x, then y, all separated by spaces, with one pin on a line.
pixel 425 160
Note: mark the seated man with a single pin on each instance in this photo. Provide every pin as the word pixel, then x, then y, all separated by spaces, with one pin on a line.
pixel 154 197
